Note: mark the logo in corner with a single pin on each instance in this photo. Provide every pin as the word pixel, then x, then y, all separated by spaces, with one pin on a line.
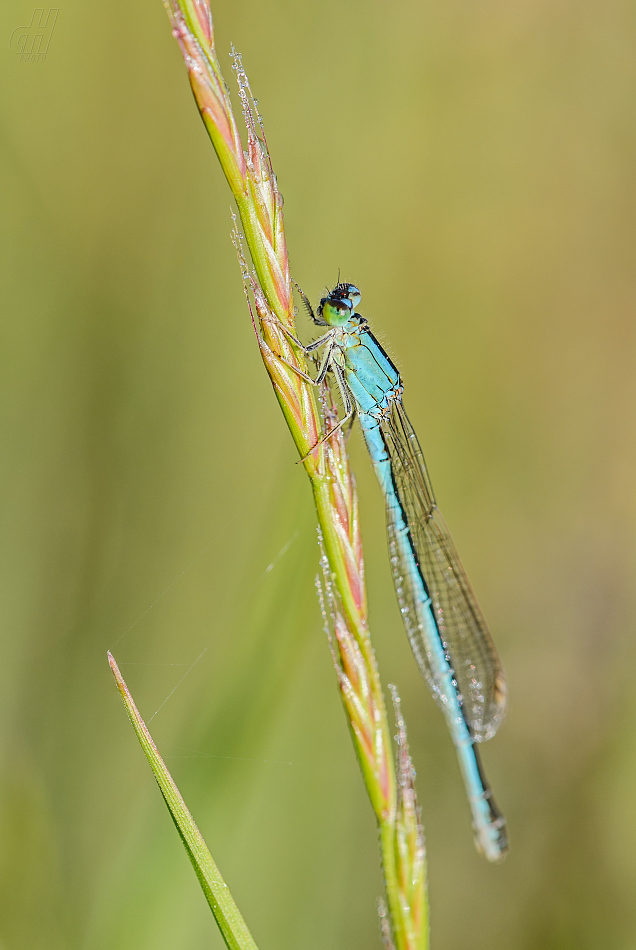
pixel 32 42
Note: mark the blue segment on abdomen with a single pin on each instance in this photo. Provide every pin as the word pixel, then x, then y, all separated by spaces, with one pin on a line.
pixel 479 794
pixel 440 665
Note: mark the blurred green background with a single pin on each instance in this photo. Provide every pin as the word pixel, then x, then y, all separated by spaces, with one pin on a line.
pixel 471 166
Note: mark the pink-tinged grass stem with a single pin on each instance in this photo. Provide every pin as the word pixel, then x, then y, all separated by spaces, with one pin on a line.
pixel 252 181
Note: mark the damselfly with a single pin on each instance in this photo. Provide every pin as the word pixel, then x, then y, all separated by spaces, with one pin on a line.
pixel 447 632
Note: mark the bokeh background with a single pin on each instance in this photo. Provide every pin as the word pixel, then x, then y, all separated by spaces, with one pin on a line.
pixel 471 166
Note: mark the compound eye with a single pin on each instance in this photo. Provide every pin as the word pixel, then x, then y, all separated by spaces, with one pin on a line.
pixel 341 305
pixel 335 310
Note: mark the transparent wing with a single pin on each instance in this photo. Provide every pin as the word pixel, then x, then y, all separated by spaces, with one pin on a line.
pixel 480 677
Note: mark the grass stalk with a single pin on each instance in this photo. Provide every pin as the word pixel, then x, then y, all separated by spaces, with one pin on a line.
pixel 251 178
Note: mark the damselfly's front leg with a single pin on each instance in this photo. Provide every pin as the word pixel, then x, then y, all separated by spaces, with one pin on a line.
pixel 309 348
pixel 324 368
pixel 306 301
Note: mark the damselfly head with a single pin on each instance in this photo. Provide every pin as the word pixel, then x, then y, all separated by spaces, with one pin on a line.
pixel 347 292
pixel 339 304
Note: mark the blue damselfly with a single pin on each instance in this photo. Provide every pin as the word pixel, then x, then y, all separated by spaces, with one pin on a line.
pixel 447 632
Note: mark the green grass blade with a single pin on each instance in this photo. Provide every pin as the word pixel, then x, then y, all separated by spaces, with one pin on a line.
pixel 226 913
